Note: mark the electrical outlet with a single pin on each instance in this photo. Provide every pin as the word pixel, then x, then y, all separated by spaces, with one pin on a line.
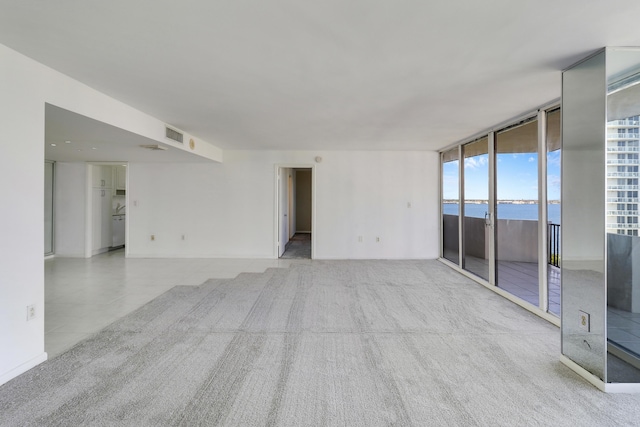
pixel 359 239
pixel 585 321
pixel 377 240
pixel 31 312
pixel 184 237
pixel 153 237
pixel 408 204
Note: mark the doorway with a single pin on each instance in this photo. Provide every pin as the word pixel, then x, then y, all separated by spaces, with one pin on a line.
pixel 295 203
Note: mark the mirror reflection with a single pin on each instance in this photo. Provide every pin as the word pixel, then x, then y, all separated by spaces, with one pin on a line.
pixel 623 242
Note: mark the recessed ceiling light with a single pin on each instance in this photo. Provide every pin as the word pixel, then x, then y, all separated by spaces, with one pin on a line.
pixel 54 145
pixel 79 149
pixel 93 148
pixel 67 142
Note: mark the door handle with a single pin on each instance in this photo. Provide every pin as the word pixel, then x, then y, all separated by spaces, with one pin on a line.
pixel 487 219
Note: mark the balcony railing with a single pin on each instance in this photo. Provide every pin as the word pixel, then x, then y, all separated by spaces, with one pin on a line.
pixel 622 200
pixel 623 225
pixel 623 149
pixel 623 123
pixel 623 161
pixel 622 213
pixel 617 136
pixel 623 174
pixel 622 187
pixel 553 254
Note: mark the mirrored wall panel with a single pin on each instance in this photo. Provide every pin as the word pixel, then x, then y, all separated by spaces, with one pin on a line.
pixel 583 208
pixel 623 243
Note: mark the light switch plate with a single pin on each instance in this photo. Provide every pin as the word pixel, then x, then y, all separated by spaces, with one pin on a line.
pixel 585 321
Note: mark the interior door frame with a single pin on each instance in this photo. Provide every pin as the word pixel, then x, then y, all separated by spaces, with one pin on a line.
pixel 276 204
pixel 89 215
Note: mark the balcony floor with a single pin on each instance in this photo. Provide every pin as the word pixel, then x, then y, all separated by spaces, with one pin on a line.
pixel 519 279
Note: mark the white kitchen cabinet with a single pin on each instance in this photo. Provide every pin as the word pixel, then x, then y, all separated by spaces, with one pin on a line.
pixel 101 220
pixel 101 176
pixel 120 177
pixel 117 230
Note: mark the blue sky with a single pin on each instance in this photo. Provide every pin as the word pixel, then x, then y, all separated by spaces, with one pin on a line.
pixel 517 177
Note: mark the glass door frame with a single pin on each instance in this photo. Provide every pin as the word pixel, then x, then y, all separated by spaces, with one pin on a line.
pixel 543 304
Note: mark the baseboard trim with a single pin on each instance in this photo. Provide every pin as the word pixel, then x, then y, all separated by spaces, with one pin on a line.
pixel 613 388
pixel 595 381
pixel 205 256
pixel 99 251
pixel 21 369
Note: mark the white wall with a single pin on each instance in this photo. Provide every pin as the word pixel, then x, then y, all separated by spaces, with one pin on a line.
pixel 26 86
pixel 70 206
pixel 227 210
pixel 224 209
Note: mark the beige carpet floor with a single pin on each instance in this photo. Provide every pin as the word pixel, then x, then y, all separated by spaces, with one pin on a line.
pixel 336 343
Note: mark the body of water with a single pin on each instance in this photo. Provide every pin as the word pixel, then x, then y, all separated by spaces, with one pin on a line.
pixel 505 211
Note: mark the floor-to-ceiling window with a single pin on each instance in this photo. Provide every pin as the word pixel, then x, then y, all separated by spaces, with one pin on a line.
pixel 451 205
pixel 554 230
pixel 475 229
pixel 516 164
pixel 509 201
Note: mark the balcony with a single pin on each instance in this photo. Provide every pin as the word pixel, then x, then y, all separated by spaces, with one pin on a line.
pixel 517 263
pixel 623 174
pixel 623 161
pixel 623 149
pixel 622 187
pixel 623 213
pixel 626 226
pixel 624 123
pixel 622 200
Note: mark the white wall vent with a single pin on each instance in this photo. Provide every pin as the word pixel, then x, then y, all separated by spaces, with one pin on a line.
pixel 173 134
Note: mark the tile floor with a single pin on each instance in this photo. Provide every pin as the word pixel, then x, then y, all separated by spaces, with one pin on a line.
pixel 82 296
pixel 623 328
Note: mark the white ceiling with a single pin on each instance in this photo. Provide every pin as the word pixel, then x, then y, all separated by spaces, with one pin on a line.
pixel 334 75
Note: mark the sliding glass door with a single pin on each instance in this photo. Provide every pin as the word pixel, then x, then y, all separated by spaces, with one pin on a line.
pixel 554 159
pixel 477 220
pixel 451 205
pixel 516 163
pixel 505 187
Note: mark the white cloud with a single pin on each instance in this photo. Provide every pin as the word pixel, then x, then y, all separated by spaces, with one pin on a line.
pixel 475 162
pixel 531 159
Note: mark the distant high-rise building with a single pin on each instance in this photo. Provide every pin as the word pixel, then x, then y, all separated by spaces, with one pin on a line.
pixel 623 148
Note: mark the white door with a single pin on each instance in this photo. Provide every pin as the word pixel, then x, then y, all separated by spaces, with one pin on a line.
pixel 283 209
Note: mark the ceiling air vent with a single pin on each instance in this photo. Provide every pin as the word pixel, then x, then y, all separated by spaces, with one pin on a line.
pixel 173 134
pixel 154 147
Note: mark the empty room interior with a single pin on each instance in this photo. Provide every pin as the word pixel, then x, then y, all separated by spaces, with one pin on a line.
pixel 320 213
